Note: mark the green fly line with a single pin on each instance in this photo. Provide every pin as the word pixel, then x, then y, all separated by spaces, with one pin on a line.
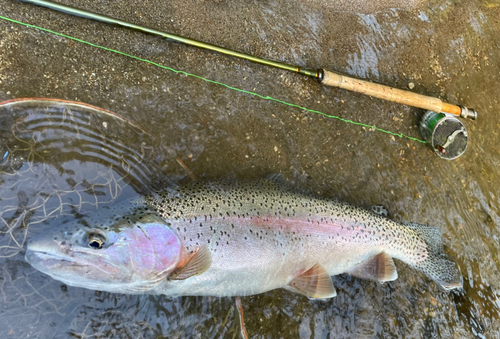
pixel 265 97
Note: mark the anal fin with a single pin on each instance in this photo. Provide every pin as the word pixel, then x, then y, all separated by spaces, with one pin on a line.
pixel 379 267
pixel 314 283
pixel 199 262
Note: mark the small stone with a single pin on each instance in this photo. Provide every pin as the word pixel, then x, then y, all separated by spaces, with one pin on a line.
pixel 411 85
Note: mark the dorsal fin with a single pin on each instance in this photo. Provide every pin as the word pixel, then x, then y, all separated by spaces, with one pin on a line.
pixel 276 178
pixel 379 210
pixel 314 283
pixel 379 267
pixel 199 262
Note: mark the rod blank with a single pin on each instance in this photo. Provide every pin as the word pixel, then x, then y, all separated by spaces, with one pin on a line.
pixel 325 77
pixel 177 38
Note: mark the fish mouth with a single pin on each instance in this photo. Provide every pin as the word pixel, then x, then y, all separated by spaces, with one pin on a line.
pixel 43 259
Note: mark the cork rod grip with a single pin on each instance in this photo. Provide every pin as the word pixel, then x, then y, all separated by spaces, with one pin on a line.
pixel 387 93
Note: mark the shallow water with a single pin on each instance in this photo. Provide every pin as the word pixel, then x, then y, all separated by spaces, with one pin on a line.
pixel 449 49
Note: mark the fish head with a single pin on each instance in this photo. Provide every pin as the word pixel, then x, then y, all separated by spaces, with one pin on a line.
pixel 133 255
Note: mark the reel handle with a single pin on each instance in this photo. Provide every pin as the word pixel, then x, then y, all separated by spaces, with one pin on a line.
pixel 393 94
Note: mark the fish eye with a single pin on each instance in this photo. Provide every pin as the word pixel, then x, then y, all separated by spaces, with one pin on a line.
pixel 96 241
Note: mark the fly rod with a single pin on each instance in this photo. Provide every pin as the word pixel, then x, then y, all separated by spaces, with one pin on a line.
pixel 323 76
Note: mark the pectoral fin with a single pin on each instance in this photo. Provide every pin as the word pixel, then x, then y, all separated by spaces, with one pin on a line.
pixel 314 283
pixel 199 262
pixel 380 267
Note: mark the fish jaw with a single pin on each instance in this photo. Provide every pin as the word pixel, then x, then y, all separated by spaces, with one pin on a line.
pixel 65 267
pixel 65 260
pixel 133 259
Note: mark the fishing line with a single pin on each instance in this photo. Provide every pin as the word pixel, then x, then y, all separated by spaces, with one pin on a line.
pixel 265 97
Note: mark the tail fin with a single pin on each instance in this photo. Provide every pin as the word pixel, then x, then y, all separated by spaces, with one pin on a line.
pixel 437 266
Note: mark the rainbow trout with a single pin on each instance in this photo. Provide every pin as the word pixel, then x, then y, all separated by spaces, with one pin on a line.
pixel 235 238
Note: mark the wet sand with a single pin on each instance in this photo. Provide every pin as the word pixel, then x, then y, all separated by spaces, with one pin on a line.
pixel 366 7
